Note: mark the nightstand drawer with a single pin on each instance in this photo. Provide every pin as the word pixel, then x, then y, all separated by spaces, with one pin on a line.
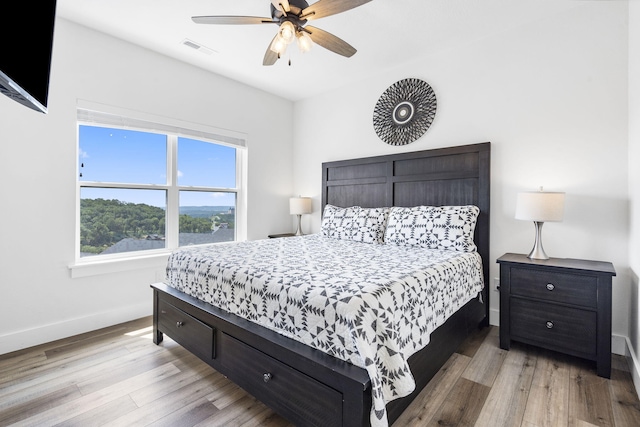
pixel 575 289
pixel 556 327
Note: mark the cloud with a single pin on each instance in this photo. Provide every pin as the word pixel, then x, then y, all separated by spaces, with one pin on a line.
pixel 83 154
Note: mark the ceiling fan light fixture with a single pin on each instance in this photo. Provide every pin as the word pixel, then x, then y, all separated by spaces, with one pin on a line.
pixel 287 31
pixel 278 45
pixel 291 16
pixel 304 41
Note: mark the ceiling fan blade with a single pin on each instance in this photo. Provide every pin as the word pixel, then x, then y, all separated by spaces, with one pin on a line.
pixel 329 41
pixel 270 57
pixel 323 8
pixel 231 20
pixel 284 3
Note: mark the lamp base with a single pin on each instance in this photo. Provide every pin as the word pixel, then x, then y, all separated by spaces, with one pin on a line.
pixel 538 251
pixel 299 230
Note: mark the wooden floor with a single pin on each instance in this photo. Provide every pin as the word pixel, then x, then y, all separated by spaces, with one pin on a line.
pixel 118 377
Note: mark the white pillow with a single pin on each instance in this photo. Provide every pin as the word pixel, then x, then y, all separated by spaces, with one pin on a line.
pixel 433 227
pixel 366 225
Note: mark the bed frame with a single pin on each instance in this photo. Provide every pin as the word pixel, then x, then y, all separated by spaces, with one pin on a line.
pixel 305 385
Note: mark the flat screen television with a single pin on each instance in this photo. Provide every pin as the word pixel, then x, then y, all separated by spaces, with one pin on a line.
pixel 25 53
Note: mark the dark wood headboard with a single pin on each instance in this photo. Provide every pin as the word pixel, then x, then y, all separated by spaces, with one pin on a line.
pixel 441 177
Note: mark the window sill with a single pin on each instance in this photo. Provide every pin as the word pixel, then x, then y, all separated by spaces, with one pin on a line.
pixel 94 268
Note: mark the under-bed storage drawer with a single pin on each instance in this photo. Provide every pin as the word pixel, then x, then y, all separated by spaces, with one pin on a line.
pixel 298 397
pixel 192 334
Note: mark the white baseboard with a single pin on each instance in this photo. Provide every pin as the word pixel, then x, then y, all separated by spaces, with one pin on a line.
pixel 619 345
pixel 494 317
pixel 43 334
pixel 634 364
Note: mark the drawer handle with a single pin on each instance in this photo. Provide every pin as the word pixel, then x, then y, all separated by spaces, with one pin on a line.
pixel 550 286
pixel 179 324
pixel 266 377
pixel 549 325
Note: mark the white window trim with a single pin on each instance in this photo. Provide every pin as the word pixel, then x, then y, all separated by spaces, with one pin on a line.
pixel 102 115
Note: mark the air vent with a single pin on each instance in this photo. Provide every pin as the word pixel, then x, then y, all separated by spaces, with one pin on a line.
pixel 197 46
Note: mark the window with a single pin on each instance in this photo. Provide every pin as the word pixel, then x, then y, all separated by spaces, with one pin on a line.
pixel 147 187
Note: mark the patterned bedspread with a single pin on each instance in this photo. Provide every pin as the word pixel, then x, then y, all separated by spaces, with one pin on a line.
pixel 373 305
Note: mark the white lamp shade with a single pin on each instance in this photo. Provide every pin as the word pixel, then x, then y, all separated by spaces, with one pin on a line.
pixel 541 206
pixel 299 205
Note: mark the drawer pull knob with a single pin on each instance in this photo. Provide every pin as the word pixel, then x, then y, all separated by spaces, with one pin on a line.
pixel 179 324
pixel 549 325
pixel 266 377
pixel 550 286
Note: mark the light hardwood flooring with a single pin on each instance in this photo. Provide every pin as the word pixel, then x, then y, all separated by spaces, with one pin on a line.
pixel 117 377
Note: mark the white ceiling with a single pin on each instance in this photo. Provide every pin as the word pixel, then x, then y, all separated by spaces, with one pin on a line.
pixel 386 33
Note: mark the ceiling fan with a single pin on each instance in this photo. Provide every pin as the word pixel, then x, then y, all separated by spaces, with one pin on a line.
pixel 292 17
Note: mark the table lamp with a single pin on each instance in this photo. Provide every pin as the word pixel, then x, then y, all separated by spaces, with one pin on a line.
pixel 299 206
pixel 539 207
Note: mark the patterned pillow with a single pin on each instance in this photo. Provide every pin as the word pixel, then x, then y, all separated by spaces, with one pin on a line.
pixel 443 227
pixel 366 225
pixel 338 222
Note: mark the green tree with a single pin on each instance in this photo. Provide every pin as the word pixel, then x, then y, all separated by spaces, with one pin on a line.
pixel 105 222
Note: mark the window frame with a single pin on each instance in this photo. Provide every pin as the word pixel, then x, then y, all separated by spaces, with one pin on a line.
pixel 173 129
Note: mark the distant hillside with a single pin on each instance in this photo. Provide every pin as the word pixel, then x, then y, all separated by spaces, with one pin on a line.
pixel 103 223
pixel 203 211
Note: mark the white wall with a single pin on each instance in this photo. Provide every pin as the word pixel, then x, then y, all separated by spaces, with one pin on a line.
pixel 634 185
pixel 39 301
pixel 550 96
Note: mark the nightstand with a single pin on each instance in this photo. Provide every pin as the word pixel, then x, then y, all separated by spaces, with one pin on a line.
pixel 275 236
pixel 559 304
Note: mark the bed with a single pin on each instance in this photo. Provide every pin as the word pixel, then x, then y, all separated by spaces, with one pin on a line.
pixel 314 378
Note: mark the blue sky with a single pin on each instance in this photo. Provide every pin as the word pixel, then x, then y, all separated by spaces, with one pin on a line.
pixel 127 156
